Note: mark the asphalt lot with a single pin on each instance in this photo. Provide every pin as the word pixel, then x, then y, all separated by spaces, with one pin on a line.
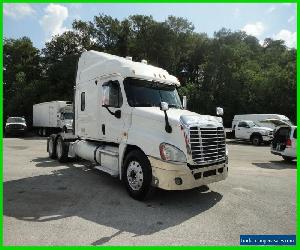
pixel 48 203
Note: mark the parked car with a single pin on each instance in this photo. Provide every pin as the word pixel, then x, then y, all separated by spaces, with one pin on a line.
pixel 15 125
pixel 249 130
pixel 285 142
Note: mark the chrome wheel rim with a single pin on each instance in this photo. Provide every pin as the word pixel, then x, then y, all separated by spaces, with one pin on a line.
pixel 59 148
pixel 135 175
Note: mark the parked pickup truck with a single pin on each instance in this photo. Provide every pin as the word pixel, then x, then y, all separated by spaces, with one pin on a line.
pixel 15 125
pixel 249 130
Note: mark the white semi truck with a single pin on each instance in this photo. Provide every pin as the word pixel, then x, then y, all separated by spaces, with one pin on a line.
pixel 129 121
pixel 50 117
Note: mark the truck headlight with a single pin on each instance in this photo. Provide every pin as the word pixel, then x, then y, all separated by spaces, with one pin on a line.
pixel 171 153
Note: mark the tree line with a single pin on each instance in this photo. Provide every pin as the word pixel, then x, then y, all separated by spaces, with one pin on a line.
pixel 231 69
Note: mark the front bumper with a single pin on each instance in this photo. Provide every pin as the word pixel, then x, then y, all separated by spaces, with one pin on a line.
pixel 15 130
pixel 267 138
pixel 165 173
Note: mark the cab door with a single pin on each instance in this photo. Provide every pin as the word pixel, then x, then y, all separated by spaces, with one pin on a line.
pixel 112 110
pixel 241 130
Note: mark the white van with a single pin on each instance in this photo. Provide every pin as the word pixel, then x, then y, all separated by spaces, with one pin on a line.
pixel 263 120
pixel 285 142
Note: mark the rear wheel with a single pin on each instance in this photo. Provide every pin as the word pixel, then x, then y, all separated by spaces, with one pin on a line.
pixel 137 175
pixel 62 149
pixel 52 147
pixel 256 140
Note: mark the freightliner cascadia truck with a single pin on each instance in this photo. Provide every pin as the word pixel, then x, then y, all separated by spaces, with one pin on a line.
pixel 130 123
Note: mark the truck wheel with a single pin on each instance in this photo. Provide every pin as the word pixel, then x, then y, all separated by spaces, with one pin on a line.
pixel 287 158
pixel 44 131
pixel 256 140
pixel 52 147
pixel 137 175
pixel 61 150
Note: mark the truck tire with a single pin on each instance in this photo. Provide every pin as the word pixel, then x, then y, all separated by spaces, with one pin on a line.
pixel 287 158
pixel 137 175
pixel 62 149
pixel 52 147
pixel 256 140
pixel 44 132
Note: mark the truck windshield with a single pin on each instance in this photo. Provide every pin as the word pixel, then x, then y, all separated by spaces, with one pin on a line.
pixel 68 115
pixel 15 119
pixel 143 93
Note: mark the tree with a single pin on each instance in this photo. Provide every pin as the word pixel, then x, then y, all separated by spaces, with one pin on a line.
pixel 231 69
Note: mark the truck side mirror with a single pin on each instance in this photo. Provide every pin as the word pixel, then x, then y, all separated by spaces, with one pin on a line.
pixel 164 106
pixel 118 113
pixel 184 102
pixel 219 111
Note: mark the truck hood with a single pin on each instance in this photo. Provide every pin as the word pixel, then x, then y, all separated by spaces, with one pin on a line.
pixel 177 115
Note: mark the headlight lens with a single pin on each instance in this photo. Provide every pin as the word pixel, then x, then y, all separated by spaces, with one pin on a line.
pixel 171 153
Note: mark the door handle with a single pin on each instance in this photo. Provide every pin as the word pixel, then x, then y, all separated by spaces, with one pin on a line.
pixel 103 129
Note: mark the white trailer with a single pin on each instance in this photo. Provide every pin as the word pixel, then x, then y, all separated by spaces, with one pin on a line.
pixel 54 116
pixel 130 123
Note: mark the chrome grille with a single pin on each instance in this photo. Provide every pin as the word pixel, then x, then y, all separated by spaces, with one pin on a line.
pixel 207 144
pixel 16 126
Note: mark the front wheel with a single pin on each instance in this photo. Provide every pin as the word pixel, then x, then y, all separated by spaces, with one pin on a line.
pixel 65 130
pixel 137 175
pixel 256 140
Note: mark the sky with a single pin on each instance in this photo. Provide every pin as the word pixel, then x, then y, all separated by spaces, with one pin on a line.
pixel 40 22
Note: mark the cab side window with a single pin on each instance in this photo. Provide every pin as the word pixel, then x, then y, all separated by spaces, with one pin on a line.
pixel 243 125
pixel 112 94
pixel 295 134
